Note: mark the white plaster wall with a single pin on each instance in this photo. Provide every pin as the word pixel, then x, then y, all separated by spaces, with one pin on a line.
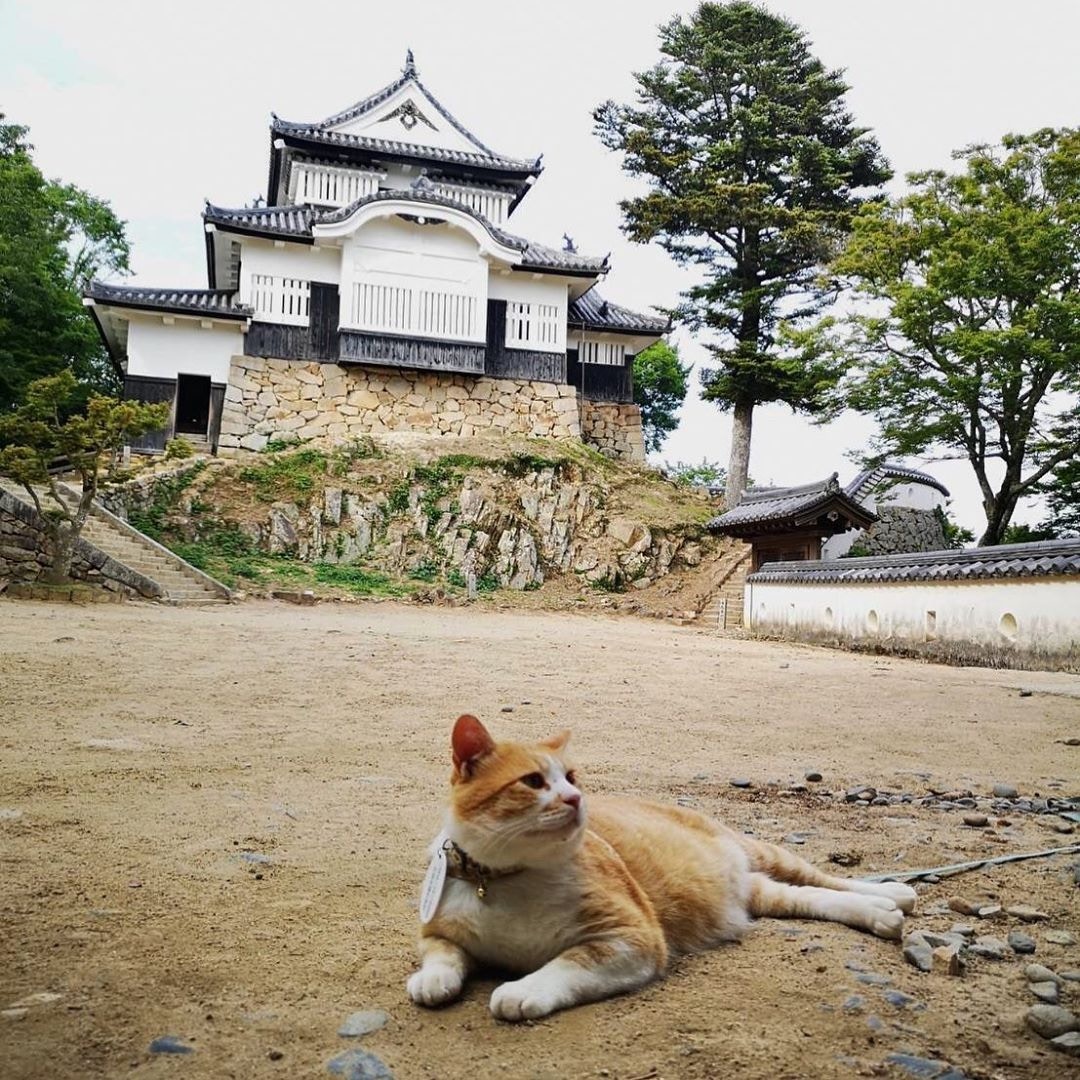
pixel 388 251
pixel 524 288
pixel 376 124
pixel 186 347
pixel 916 496
pixel 304 261
pixel 1031 613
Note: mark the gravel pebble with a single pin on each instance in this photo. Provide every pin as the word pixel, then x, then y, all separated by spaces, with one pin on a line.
pixel 1005 791
pixel 170 1044
pixel 1045 991
pixel 1069 1042
pixel 1039 973
pixel 919 956
pixel 1060 937
pixel 989 948
pixel 1026 913
pixel 813 776
pixel 363 1023
pixel 1050 1021
pixel 359 1065
pixel 740 783
pixel 976 821
pixel 1021 943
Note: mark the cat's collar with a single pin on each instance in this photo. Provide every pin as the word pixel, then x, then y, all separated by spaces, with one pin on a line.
pixel 460 864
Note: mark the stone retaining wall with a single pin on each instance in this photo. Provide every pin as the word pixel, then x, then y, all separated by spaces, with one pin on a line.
pixel 25 556
pixel 900 530
pixel 614 430
pixel 270 398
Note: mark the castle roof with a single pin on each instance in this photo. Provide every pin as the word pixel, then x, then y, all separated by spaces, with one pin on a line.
pixel 592 312
pixel 298 223
pixel 212 303
pixel 775 509
pixel 470 158
pixel 860 487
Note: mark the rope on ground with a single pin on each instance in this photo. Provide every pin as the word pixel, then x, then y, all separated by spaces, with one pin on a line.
pixel 963 867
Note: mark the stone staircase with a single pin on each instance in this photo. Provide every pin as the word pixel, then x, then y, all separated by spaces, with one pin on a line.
pixel 724 608
pixel 177 581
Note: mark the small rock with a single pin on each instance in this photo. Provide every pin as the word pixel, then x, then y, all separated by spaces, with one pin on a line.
pixel 922 1068
pixel 979 911
pixel 255 857
pixel 1070 742
pixel 813 776
pixel 854 1003
pixel 8 813
pixel 170 1044
pixel 275 1055
pixel 794 838
pixel 1045 991
pixel 976 821
pixel 1050 1021
pixel 870 979
pixel 861 793
pixel 963 929
pixel 1071 976
pixel 919 956
pixel 359 1065
pixel 740 783
pixel 1064 828
pixel 1040 973
pixel 1021 943
pixel 1069 1042
pixel 845 858
pixel 507 708
pixel 1025 693
pixel 1005 791
pixel 947 960
pixel 898 998
pixel 1026 913
pixel 874 1023
pixel 363 1023
pixel 989 948
pixel 13 1014
pixel 1060 937
pixel 59 640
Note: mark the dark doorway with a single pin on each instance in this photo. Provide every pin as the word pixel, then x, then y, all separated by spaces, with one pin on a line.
pixel 192 404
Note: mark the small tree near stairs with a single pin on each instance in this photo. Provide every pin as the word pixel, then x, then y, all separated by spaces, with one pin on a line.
pixel 45 429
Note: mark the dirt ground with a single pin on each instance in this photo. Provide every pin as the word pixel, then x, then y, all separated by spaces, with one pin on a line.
pixel 213 822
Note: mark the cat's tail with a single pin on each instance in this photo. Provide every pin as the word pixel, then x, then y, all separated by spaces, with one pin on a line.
pixel 781 865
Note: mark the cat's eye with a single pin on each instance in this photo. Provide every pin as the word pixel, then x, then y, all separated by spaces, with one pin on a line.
pixel 534 780
pixel 571 778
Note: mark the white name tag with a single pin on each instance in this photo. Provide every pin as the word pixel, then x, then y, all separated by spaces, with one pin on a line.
pixel 434 880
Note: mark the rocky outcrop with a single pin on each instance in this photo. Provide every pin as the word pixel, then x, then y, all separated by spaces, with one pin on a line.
pixel 515 520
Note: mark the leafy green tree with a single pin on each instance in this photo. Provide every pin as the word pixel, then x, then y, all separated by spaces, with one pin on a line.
pixel 704 473
pixel 754 167
pixel 967 340
pixel 1062 491
pixel 660 384
pixel 46 428
pixel 53 238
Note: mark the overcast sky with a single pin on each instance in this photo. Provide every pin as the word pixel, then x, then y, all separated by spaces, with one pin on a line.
pixel 156 106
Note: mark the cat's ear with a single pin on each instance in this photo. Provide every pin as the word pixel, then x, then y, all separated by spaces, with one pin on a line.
pixel 470 741
pixel 557 742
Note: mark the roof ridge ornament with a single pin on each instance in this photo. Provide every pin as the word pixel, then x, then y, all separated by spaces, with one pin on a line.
pixel 409 70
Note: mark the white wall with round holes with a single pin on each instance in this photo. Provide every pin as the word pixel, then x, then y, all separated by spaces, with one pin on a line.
pixel 1027 613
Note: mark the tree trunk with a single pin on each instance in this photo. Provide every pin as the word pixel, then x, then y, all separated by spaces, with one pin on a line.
pixel 998 516
pixel 63 552
pixel 739 463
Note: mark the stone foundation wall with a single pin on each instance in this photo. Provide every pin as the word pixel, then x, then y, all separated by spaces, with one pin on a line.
pixel 24 551
pixel 614 430
pixel 270 398
pixel 900 530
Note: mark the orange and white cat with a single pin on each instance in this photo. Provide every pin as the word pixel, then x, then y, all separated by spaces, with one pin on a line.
pixel 585 899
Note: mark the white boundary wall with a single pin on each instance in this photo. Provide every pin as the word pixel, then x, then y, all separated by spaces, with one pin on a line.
pixel 1036 613
pixel 184 346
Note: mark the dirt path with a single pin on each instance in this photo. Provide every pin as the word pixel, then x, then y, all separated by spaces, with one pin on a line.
pixel 212 825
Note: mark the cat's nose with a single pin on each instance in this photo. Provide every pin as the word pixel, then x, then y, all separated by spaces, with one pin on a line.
pixel 573 800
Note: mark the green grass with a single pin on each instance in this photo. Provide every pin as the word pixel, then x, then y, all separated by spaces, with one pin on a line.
pixel 286 476
pixel 150 519
pixel 359 580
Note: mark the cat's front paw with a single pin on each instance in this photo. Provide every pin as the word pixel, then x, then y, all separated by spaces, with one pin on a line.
pixel 525 999
pixel 434 984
